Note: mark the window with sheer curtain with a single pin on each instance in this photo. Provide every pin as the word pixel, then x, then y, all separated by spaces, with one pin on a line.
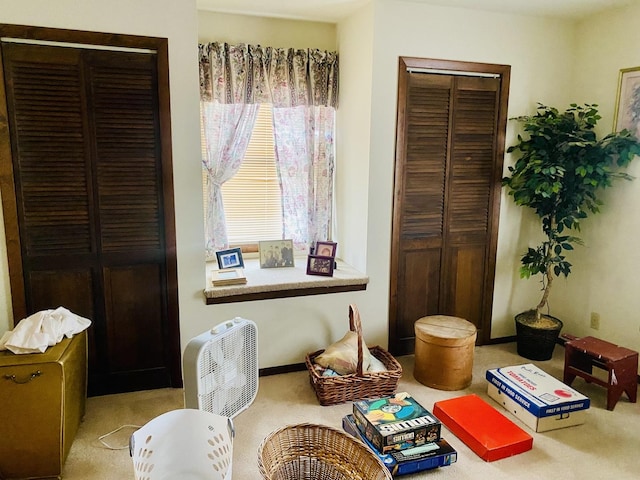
pixel 268 152
pixel 251 198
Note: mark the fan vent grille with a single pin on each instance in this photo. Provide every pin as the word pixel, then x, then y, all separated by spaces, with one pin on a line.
pixel 228 371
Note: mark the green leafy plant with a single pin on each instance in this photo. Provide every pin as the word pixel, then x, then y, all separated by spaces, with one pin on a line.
pixel 561 169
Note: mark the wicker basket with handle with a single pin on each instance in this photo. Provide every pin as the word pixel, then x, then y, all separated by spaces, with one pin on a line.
pixel 332 390
pixel 308 451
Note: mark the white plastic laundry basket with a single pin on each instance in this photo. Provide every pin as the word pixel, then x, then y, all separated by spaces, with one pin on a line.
pixel 185 444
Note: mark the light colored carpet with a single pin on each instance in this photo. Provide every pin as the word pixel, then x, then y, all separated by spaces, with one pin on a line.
pixel 607 446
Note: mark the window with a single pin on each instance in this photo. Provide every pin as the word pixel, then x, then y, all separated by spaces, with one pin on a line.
pixel 252 198
pixel 274 180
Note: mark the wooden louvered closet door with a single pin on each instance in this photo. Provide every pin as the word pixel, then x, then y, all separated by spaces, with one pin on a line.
pixel 89 197
pixel 447 189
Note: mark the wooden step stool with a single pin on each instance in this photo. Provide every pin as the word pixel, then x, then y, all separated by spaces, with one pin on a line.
pixel 582 354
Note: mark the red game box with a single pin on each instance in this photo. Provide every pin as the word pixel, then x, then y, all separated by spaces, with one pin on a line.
pixel 482 428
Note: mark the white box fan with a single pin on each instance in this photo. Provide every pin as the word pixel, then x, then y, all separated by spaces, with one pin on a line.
pixel 221 368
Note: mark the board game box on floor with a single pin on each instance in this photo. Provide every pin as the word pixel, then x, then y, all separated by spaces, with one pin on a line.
pixel 397 422
pixel 411 460
pixel 536 398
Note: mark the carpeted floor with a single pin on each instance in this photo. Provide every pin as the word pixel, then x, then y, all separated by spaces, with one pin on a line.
pixel 606 446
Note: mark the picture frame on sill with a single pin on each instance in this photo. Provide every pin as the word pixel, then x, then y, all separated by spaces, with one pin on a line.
pixel 230 258
pixel 627 112
pixel 228 276
pixel 318 265
pixel 325 249
pixel 276 253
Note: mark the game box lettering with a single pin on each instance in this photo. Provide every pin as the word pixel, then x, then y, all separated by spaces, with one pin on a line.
pixel 536 398
pixel 396 422
pixel 403 462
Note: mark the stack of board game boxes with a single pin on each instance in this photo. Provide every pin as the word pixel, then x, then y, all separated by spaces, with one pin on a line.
pixel 404 435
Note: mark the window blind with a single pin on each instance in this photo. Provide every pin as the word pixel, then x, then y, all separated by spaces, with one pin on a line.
pixel 252 200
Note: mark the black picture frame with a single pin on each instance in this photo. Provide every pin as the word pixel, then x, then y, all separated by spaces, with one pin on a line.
pixel 320 265
pixel 230 258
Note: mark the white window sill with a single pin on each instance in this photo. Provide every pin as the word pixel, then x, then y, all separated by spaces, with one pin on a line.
pixel 267 283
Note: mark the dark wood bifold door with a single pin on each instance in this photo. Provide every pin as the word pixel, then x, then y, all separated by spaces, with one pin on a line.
pixel 449 157
pixel 91 216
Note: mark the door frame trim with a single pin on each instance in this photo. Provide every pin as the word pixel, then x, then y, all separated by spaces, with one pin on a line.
pixel 406 65
pixel 9 207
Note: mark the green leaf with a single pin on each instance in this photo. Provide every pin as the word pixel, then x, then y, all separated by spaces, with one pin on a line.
pixel 560 169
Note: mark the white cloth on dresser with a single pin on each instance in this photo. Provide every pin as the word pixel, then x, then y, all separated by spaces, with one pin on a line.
pixel 43 329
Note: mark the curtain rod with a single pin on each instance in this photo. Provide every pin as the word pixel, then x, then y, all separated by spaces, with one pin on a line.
pixel 453 72
pixel 76 45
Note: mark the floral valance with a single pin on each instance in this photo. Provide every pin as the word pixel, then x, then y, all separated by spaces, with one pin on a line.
pixel 285 77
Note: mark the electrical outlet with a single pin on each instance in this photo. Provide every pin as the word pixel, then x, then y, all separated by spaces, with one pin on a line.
pixel 595 320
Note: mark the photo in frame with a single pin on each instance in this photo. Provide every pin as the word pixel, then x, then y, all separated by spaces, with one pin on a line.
pixel 318 265
pixel 230 258
pixel 325 249
pixel 627 113
pixel 276 253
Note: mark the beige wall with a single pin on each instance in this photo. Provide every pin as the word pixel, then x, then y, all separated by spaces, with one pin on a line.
pixel 605 278
pixel 554 62
pixel 288 328
pixel 537 50
pixel 268 32
pixel 355 40
pixel 543 55
pixel 176 21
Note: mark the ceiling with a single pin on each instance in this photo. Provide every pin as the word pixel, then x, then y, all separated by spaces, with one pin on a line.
pixel 334 10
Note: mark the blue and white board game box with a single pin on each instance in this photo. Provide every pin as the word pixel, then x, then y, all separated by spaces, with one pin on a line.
pixel 536 398
pixel 402 462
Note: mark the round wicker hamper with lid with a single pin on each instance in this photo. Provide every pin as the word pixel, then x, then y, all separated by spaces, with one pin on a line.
pixel 308 451
pixel 444 352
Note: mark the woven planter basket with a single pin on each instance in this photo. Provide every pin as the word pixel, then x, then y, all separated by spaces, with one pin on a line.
pixel 317 452
pixel 359 385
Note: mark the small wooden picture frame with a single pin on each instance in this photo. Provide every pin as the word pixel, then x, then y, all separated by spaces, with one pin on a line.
pixel 627 111
pixel 231 258
pixel 325 249
pixel 319 265
pixel 228 276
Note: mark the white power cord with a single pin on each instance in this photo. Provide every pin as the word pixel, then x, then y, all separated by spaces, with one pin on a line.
pixel 111 447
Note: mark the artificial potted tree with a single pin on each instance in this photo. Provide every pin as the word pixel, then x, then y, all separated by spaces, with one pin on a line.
pixel 561 169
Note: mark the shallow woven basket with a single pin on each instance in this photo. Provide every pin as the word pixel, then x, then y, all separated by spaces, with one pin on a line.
pixel 308 451
pixel 358 385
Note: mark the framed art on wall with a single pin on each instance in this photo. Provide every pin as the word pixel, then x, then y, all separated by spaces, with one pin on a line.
pixel 627 114
pixel 231 258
